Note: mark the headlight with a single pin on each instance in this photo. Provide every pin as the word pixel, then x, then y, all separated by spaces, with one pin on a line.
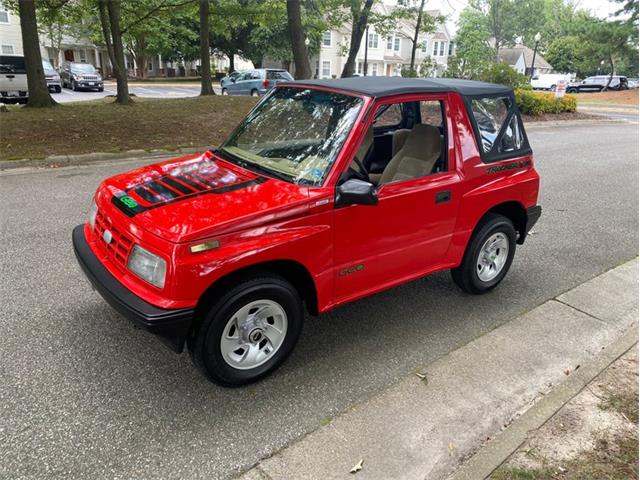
pixel 93 211
pixel 147 266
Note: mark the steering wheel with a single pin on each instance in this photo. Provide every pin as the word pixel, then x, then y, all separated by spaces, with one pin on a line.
pixel 361 173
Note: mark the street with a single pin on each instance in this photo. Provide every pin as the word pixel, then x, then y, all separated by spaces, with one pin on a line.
pixel 151 90
pixel 85 395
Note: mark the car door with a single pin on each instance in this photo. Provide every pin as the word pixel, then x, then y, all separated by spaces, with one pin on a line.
pixel 234 88
pixel 406 235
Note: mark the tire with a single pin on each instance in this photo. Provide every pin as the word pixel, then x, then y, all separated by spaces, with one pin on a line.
pixel 225 91
pixel 74 86
pixel 497 231
pixel 254 93
pixel 58 89
pixel 572 90
pixel 552 88
pixel 225 326
pixel 101 89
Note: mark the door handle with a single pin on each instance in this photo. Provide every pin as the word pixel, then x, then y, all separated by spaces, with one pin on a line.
pixel 443 197
pixel 11 76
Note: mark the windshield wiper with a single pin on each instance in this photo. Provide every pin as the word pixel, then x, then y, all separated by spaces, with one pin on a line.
pixel 256 167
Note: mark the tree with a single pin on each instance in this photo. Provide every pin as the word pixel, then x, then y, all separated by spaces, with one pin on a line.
pixel 297 37
pixel 473 51
pixel 110 21
pixel 38 92
pixel 424 23
pixel 566 54
pixel 359 19
pixel 206 88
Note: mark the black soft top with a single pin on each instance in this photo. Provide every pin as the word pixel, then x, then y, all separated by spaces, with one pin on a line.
pixel 386 86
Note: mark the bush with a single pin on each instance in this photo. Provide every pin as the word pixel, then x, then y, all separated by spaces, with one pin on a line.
pixel 537 103
pixel 505 75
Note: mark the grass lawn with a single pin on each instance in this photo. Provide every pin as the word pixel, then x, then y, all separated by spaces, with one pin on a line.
pixel 625 97
pixel 103 126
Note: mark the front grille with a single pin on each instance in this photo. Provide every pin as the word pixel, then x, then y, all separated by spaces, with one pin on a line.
pixel 121 243
pixel 89 77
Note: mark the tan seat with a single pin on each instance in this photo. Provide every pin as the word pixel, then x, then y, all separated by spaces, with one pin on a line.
pixel 398 139
pixel 417 156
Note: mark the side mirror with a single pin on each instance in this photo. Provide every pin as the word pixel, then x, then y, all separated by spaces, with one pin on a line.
pixel 356 192
pixel 233 80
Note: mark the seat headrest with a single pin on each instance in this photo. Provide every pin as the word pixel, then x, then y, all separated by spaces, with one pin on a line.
pixel 424 140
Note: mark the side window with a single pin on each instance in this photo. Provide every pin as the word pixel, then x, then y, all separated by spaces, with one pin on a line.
pixel 431 112
pixel 489 114
pixel 512 139
pixel 390 117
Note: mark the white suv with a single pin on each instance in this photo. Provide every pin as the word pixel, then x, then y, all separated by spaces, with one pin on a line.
pixel 13 79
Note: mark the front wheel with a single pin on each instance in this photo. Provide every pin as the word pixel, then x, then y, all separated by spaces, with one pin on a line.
pixel 249 331
pixel 225 91
pixel 74 86
pixel 488 256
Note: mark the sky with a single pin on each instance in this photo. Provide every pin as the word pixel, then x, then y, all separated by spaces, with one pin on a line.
pixel 452 8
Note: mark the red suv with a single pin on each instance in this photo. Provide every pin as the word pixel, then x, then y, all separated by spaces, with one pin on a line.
pixel 328 191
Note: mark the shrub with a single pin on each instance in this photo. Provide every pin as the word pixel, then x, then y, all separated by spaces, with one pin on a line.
pixel 537 103
pixel 505 75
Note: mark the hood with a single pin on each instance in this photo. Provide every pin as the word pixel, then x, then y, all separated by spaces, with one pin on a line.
pixel 196 196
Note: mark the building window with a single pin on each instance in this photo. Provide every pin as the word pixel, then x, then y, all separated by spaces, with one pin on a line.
pixel 4 15
pixel 389 42
pixel 396 44
pixel 435 47
pixel 150 66
pixel 360 68
pixel 326 68
pixel 326 39
pixel 8 49
pixel 374 70
pixel 83 56
pixel 442 48
pixel 373 40
pixel 450 48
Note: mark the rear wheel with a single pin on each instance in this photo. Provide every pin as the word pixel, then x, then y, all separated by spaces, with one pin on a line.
pixel 225 91
pixel 488 256
pixel 249 331
pixel 254 93
pixel 58 89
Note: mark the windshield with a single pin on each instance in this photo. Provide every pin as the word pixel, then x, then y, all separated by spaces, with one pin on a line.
pixel 48 69
pixel 83 68
pixel 294 134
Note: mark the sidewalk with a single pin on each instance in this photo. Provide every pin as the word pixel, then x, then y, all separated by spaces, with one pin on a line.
pixel 427 425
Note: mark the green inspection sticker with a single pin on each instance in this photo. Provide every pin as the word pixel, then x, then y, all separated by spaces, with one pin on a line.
pixel 128 201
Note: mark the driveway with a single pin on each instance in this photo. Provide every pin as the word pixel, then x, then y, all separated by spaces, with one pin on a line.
pixel 150 90
pixel 85 395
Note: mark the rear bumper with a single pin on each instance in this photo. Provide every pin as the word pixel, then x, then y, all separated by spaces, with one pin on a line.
pixel 172 326
pixel 533 214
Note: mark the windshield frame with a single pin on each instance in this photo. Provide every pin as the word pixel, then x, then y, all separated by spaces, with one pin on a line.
pixel 337 160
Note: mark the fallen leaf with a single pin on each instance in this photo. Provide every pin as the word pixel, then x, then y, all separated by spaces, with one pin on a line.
pixel 567 371
pixel 357 467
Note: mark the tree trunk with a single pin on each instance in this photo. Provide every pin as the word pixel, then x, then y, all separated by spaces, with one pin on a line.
pixel 206 88
pixel 38 92
pixel 415 35
pixel 360 20
pixel 110 22
pixel 232 66
pixel 296 36
pixel 606 87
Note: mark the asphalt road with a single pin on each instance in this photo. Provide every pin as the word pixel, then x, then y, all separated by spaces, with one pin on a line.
pixel 85 395
pixel 150 90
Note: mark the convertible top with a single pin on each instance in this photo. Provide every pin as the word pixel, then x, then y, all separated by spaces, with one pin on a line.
pixel 386 86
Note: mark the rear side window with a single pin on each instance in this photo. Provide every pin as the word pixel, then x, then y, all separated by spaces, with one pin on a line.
pixel 498 128
pixel 279 75
pixel 12 64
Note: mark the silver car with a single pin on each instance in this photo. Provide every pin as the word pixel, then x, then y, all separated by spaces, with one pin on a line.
pixel 54 83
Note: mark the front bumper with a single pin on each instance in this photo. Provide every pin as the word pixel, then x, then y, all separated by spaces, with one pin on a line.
pixel 171 325
pixel 90 84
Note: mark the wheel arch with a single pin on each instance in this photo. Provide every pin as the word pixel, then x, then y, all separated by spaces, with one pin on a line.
pixel 515 212
pixel 292 271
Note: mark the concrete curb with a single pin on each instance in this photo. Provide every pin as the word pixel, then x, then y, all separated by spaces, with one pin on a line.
pixel 499 449
pixel 81 159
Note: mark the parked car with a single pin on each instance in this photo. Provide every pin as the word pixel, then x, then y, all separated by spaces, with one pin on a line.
pixel 548 81
pixel 256 82
pixel 327 192
pixel 632 82
pixel 231 78
pixel 13 79
pixel 54 82
pixel 597 83
pixel 78 76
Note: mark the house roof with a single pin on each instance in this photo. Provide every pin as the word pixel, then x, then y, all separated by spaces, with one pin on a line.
pixel 511 56
pixel 387 86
